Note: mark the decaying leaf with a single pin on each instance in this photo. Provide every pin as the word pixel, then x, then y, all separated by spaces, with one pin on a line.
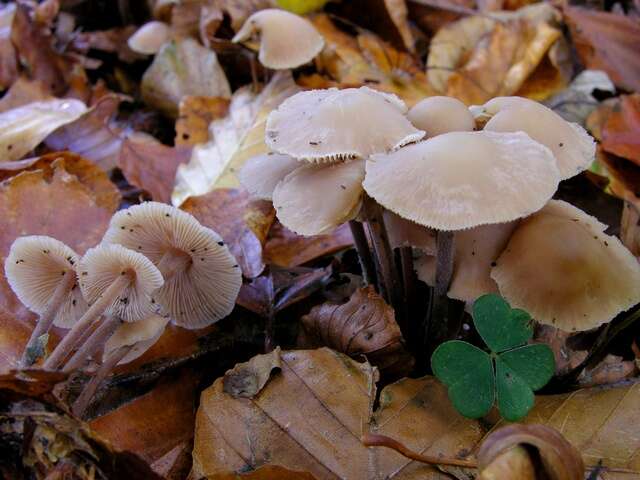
pixel 183 67
pixel 8 57
pixel 364 326
pixel 246 380
pixel 620 133
pixel 14 333
pixel 196 114
pixel 243 223
pixel 22 92
pixel 232 140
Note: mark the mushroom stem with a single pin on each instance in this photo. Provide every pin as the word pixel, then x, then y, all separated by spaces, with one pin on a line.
pixel 172 262
pixel 408 279
pixel 46 319
pixel 98 308
pixel 437 325
pixel 364 253
pixel 84 399
pixel 89 347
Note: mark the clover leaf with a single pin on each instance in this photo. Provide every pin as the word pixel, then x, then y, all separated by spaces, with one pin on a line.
pixel 510 372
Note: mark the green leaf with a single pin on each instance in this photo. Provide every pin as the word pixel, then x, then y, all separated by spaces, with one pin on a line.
pixel 534 364
pixel 468 373
pixel 500 326
pixel 515 397
pixel 302 7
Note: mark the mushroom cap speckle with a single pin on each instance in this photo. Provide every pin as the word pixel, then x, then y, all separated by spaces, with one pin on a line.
pixel 34 268
pixel 572 146
pixel 103 264
pixel 205 285
pixel 149 37
pixel 315 199
pixel 142 335
pixel 330 125
pixel 286 40
pixel 260 174
pixel 565 271
pixel 461 180
pixel 438 115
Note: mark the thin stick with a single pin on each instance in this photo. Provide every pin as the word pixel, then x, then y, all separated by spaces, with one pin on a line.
pixel 46 319
pixel 408 282
pixel 93 343
pixel 364 253
pixel 375 440
pixel 84 399
pixel 437 326
pixel 98 308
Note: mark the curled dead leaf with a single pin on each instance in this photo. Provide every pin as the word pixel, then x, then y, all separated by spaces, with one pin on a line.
pixel 245 380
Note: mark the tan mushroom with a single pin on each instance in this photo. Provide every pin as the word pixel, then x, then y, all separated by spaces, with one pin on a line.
pixel 572 146
pixel 42 273
pixel 438 115
pixel 260 174
pixel 202 278
pixel 286 40
pixel 332 125
pixel 149 38
pixel 565 271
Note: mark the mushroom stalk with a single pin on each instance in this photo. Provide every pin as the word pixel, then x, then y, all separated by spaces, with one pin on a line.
pixel 98 308
pixel 89 347
pixel 84 399
pixel 364 253
pixel 46 319
pixel 439 314
pixel 408 279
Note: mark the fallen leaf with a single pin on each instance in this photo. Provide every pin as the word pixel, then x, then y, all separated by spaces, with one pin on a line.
pixel 287 249
pixel 239 11
pixel 612 369
pixel 620 134
pixel 242 223
pixel 267 472
pixel 8 56
pixel 195 116
pixel 22 92
pixel 14 333
pixel 607 41
pixel 175 464
pixel 245 380
pixel 151 165
pixel 111 41
pixel 364 326
pixel 183 67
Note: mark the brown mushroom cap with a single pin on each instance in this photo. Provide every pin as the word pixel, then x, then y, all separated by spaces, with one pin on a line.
pixel 286 40
pixel 315 199
pixel 461 180
pixel 141 335
pixel 572 146
pixel 438 115
pixel 330 125
pixel 149 37
pixel 205 280
pixel 565 271
pixel 102 265
pixel 35 267
pixel 260 174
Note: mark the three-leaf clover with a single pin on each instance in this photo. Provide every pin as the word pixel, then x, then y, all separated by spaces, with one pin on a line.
pixel 511 372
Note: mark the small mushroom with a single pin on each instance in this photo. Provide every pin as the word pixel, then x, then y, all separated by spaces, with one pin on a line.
pixel 562 268
pixel 42 273
pixel 260 174
pixel 405 233
pixel 286 40
pixel 115 281
pixel 149 38
pixel 438 115
pixel 331 125
pixel 202 278
pixel 572 146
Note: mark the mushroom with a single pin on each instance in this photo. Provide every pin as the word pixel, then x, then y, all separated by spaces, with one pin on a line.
pixel 149 38
pixel 41 272
pixel 562 268
pixel 286 40
pixel 438 115
pixel 331 125
pixel 572 146
pixel 115 281
pixel 260 174
pixel 202 278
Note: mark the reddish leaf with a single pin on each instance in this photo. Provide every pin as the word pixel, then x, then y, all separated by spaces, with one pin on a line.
pixel 621 130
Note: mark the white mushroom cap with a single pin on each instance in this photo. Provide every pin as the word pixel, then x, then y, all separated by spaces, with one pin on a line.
pixel 260 174
pixel 438 115
pixel 286 40
pixel 35 267
pixel 315 199
pixel 103 264
pixel 332 124
pixel 204 285
pixel 565 271
pixel 461 180
pixel 142 335
pixel 572 146
pixel 149 37
pixel 476 249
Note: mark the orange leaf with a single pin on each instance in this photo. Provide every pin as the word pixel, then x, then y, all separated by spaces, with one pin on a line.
pixel 621 131
pixel 195 115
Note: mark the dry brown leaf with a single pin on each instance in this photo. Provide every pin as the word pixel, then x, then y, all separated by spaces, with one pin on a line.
pixel 151 165
pixel 24 91
pixel 607 41
pixel 268 472
pixel 310 415
pixel 14 334
pixel 620 132
pixel 287 249
pixel 195 115
pixel 612 369
pixel 176 463
pixel 111 41
pixel 8 57
pixel 242 223
pixel 245 380
pixel 365 325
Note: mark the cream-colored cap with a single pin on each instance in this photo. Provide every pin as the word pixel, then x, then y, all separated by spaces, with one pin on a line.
pixel 260 174
pixel 149 38
pixel 438 115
